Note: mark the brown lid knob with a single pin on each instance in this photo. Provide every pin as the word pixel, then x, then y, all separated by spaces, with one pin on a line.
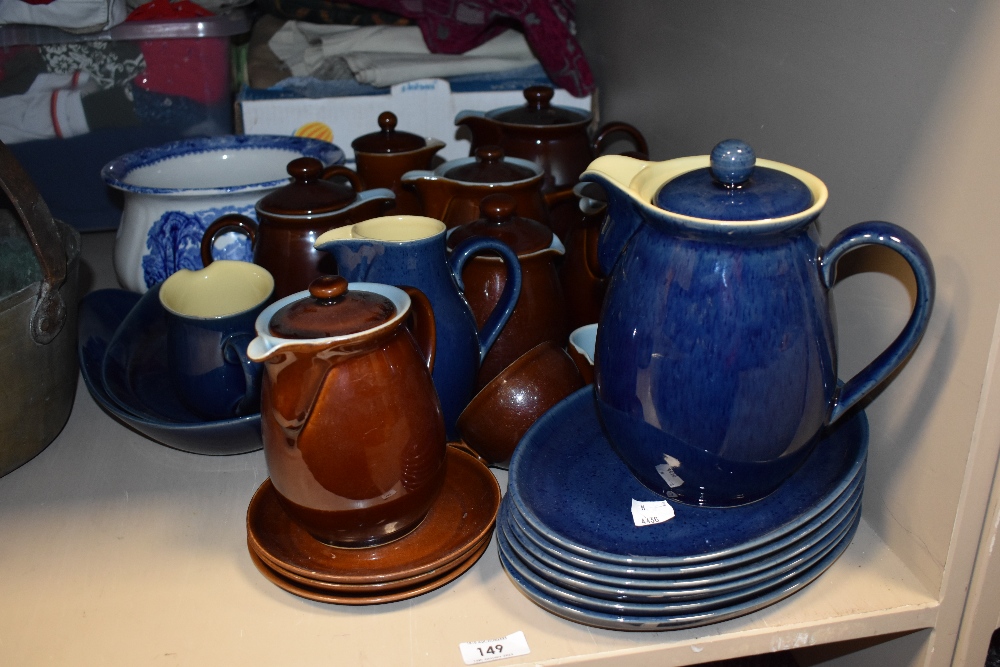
pixel 490 166
pixel 539 110
pixel 331 309
pixel 498 221
pixel 308 193
pixel 388 140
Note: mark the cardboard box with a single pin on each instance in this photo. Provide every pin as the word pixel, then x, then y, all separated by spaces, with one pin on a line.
pixel 426 107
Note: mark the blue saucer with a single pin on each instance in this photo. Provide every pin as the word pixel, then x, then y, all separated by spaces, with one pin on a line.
pixel 618 590
pixel 656 622
pixel 664 582
pixel 149 408
pixel 570 486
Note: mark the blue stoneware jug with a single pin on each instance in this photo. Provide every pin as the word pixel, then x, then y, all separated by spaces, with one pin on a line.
pixel 716 364
pixel 410 250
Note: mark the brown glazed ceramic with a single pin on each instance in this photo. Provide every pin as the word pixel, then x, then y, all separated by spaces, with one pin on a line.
pixel 291 218
pixel 452 192
pixel 499 415
pixel 460 519
pixel 353 432
pixel 555 138
pixel 584 284
pixel 540 313
pixel 582 342
pixel 323 594
pixel 383 157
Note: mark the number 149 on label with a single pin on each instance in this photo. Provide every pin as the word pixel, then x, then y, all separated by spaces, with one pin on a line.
pixel 475 653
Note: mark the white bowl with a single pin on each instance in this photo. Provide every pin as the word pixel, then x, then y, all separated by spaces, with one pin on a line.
pixel 174 191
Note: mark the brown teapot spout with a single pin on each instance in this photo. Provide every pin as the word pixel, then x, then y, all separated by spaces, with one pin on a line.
pixel 484 130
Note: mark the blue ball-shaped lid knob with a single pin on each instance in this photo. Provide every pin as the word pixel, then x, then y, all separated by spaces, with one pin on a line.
pixel 732 162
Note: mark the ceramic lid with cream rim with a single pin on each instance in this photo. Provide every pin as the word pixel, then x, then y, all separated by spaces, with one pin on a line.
pixel 389 139
pixel 733 189
pixel 498 221
pixel 331 309
pixel 308 193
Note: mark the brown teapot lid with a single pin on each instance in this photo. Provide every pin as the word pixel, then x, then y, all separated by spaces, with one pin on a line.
pixel 331 309
pixel 308 193
pixel 539 110
pixel 389 140
pixel 489 167
pixel 523 235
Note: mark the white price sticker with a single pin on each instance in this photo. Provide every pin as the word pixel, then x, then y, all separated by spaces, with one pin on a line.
pixel 647 513
pixel 476 653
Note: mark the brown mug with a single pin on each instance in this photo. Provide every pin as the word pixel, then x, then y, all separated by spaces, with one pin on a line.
pixel 353 433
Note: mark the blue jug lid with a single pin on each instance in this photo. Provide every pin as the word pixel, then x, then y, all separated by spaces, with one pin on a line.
pixel 734 189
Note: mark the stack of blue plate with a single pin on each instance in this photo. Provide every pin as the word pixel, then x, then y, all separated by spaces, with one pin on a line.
pixel 568 540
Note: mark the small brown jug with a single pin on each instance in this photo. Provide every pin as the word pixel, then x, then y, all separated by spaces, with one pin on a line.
pixel 540 313
pixel 383 157
pixel 292 217
pixel 353 432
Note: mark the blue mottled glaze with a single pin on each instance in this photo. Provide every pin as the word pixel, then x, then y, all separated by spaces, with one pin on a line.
pixel 732 161
pixel 569 485
pixel 145 396
pixel 115 173
pixel 424 264
pixel 716 364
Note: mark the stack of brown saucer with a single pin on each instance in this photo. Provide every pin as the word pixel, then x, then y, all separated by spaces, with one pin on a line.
pixel 449 541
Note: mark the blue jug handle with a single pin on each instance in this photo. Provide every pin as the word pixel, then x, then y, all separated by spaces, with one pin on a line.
pixel 495 323
pixel 909 247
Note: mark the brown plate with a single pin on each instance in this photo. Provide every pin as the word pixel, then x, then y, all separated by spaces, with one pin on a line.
pixel 369 589
pixel 319 595
pixel 458 521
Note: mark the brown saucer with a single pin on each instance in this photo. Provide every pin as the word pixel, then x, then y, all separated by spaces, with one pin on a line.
pixel 320 595
pixel 370 589
pixel 460 518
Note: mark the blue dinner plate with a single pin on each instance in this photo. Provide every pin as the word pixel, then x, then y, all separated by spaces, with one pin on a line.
pixel 676 621
pixel 618 590
pixel 101 314
pixel 696 574
pixel 570 486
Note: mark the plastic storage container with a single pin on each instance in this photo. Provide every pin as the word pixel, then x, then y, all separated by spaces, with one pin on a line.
pixel 99 95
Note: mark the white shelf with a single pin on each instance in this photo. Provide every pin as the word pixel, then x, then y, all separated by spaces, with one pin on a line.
pixel 119 551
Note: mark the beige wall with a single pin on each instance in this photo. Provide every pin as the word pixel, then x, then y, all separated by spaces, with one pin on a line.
pixel 896 106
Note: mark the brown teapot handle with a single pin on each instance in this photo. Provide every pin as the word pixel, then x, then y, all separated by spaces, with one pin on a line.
pixel 558 196
pixel 231 222
pixel 421 324
pixel 634 134
pixel 357 183
pixel 49 313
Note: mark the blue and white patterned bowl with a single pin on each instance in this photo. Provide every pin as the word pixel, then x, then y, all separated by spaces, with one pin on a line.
pixel 174 191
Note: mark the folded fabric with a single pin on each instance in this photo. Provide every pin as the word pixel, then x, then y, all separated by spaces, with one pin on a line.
pixel 72 15
pixel 386 55
pixel 52 107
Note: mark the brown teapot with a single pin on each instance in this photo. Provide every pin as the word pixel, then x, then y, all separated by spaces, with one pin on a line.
pixel 556 138
pixel 291 218
pixel 452 192
pixel 383 157
pixel 540 313
pixel 353 433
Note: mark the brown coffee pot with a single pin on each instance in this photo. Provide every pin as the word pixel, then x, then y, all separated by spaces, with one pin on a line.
pixel 383 157
pixel 353 432
pixel 556 138
pixel 540 313
pixel 290 219
pixel 452 192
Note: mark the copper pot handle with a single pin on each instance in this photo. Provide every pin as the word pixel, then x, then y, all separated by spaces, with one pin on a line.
pixel 49 314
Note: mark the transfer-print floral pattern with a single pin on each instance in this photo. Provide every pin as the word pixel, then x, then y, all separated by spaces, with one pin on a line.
pixel 174 243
